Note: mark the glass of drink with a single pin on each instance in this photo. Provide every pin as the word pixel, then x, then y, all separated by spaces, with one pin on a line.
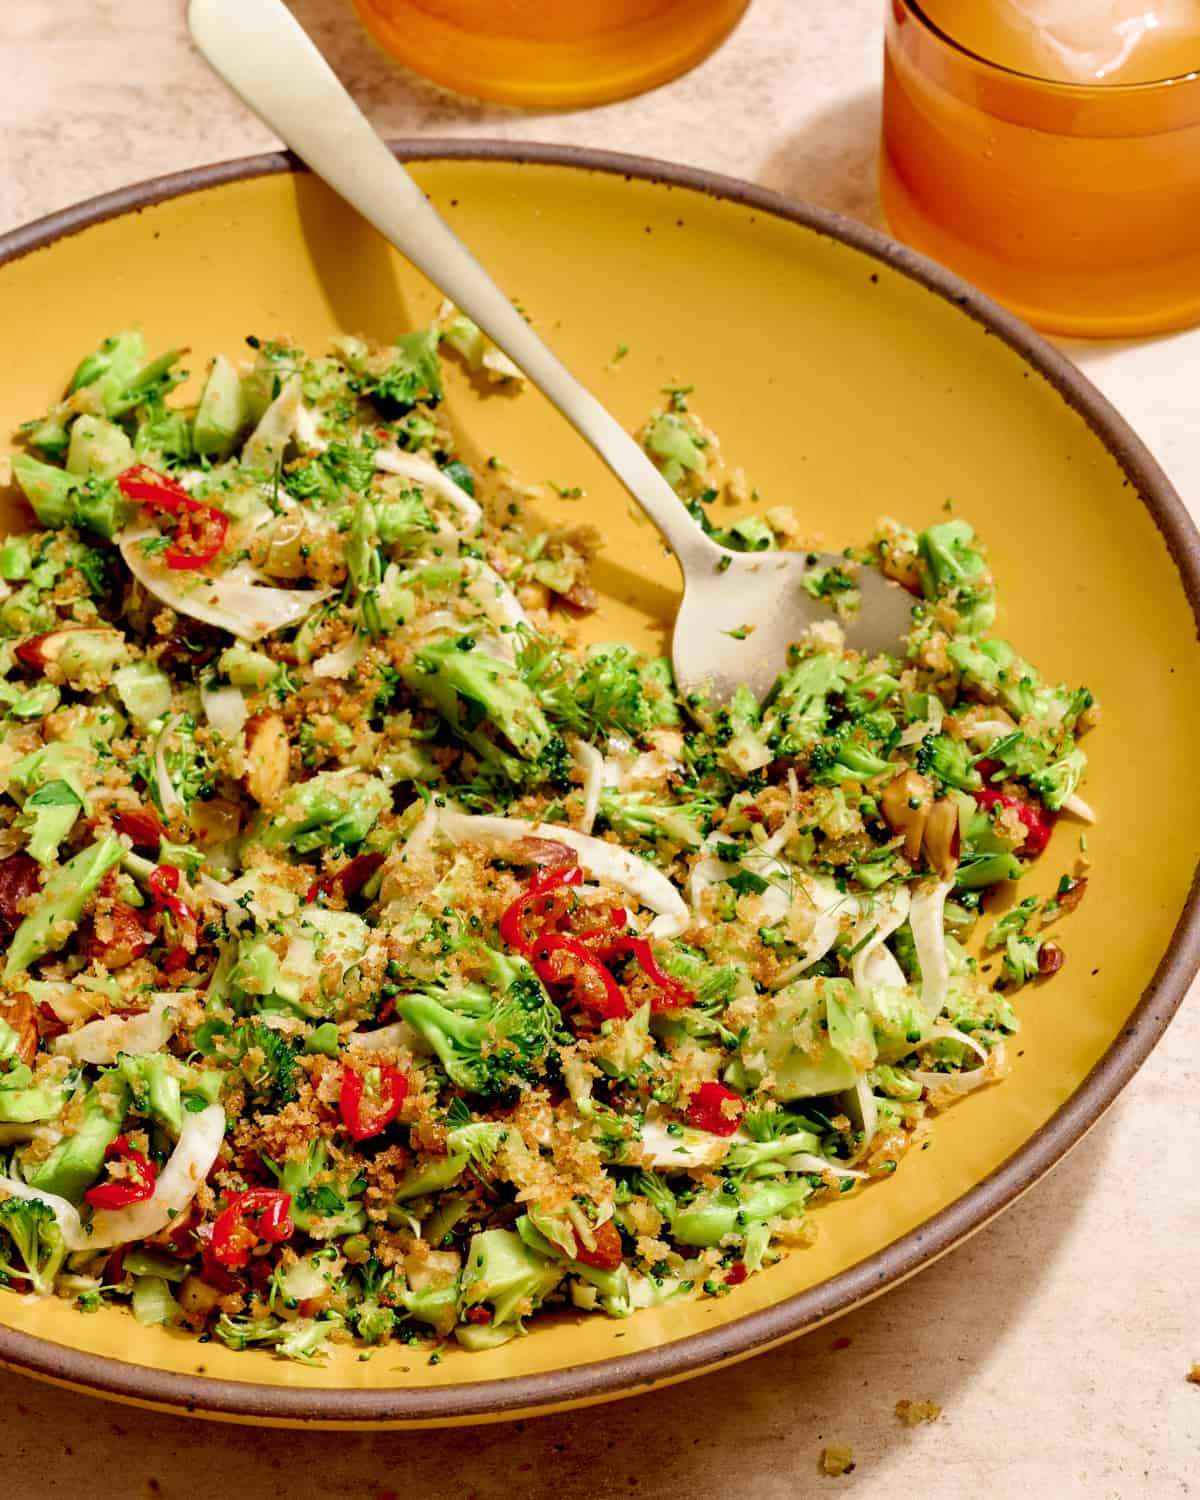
pixel 550 53
pixel 1049 151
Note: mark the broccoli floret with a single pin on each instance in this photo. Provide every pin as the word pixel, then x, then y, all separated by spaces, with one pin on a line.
pixel 244 1333
pixel 994 671
pixel 1057 782
pixel 37 1246
pixel 708 1220
pixel 634 815
pixel 1012 923
pixel 654 1187
pixel 504 1275
pixel 770 1157
pixel 470 690
pixel 956 570
pixel 266 1059
pixel 867 694
pixel 845 757
pixel 1018 754
pixel 190 769
pixel 49 814
pixel 737 729
pixel 163 435
pixel 948 761
pixel 321 1203
pixel 1020 959
pixel 372 1323
pixel 489 1043
pixel 621 690
pixel 812 1037
pixel 551 674
pixel 797 708
pixel 675 446
pixel 60 499
pixel 335 809
pixel 413 375
pixel 329 474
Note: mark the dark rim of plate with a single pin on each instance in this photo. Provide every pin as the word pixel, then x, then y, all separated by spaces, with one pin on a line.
pixel 636 1373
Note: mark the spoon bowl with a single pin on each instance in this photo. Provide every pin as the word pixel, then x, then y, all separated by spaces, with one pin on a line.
pixel 740 613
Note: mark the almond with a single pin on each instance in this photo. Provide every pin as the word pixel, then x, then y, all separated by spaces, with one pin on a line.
pixel 268 757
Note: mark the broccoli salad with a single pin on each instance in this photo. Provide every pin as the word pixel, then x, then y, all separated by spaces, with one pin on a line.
pixel 382 963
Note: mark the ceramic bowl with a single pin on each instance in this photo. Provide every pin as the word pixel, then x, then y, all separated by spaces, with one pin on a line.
pixel 850 378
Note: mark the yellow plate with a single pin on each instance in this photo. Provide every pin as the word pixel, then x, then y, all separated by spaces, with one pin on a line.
pixel 851 379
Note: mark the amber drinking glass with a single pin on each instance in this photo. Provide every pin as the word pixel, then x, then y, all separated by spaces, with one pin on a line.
pixel 550 53
pixel 1049 155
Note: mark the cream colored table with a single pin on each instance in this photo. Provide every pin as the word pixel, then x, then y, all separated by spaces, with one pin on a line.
pixel 1058 1340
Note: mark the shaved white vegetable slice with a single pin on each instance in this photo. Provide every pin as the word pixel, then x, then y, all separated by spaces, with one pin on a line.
pixel 187 1167
pixel 225 709
pixel 398 1035
pixel 880 919
pixel 602 860
pixel 266 444
pixel 339 663
pixel 165 787
pixel 963 1082
pixel 422 472
pixel 484 587
pixel 805 1161
pixel 952 1034
pixel 65 1213
pixel 832 908
pixel 868 1116
pixel 925 918
pixel 231 601
pixel 708 871
pixel 591 763
pixel 1078 808
pixel 680 1152
pixel 100 1041
pixel 307 435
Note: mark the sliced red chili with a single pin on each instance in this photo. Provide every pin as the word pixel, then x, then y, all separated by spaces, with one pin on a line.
pixel 477 1315
pixel 162 883
pixel 366 1114
pixel 607 1253
pixel 202 527
pixel 152 487
pixel 351 877
pixel 531 905
pixel 559 959
pixel 257 1214
pixel 199 536
pixel 716 1109
pixel 736 1274
pixel 1038 824
pixel 132 1182
pixel 673 994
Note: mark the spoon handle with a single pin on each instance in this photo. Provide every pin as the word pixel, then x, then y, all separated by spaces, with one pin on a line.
pixel 262 52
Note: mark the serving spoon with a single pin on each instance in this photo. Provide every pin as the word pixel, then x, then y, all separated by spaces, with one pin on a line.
pixel 740 611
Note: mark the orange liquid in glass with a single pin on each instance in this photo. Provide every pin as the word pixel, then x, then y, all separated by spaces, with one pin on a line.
pixel 550 53
pixel 1049 151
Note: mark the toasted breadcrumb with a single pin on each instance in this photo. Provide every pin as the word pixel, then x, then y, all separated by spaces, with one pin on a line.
pixel 913 1413
pixel 836 1460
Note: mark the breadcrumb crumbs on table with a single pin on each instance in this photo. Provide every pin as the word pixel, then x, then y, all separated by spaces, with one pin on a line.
pixel 913 1413
pixel 836 1460
pixel 1193 1374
